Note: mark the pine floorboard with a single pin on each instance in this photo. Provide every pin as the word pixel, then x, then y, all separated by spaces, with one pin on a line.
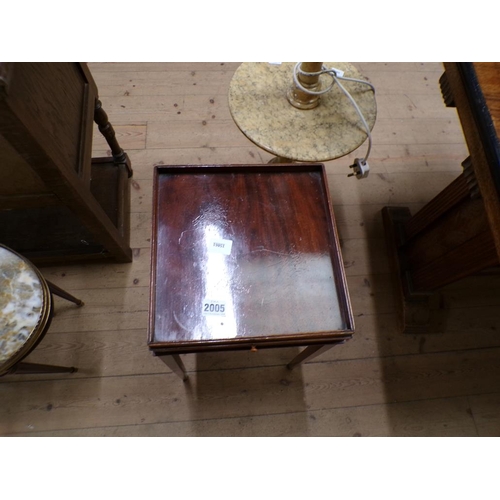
pixel 381 383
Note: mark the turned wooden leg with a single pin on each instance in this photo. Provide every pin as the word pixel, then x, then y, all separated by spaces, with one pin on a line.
pixel 62 293
pixel 311 352
pixel 174 362
pixel 107 130
pixel 26 368
pixel 446 92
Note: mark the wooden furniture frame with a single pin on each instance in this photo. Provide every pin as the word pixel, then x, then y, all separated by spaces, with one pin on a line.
pixel 458 232
pixel 58 204
pixel 281 283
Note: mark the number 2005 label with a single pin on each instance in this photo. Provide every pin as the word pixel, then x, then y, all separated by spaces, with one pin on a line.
pixel 214 307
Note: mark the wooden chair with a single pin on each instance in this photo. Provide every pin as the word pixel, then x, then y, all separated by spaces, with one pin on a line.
pixel 26 311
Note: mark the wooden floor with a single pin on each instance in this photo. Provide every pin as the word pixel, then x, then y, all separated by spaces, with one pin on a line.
pixel 381 383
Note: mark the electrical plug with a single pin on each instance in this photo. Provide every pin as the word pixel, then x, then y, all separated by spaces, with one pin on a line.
pixel 360 167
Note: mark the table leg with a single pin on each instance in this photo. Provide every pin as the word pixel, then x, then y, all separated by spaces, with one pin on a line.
pixel 311 352
pixel 174 362
pixel 62 293
pixel 107 130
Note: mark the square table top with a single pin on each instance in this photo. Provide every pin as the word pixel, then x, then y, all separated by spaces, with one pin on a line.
pixel 245 255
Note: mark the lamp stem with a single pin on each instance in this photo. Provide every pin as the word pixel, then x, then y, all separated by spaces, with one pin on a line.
pixel 298 97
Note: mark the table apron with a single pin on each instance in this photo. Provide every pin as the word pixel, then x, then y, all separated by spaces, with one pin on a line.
pixel 247 345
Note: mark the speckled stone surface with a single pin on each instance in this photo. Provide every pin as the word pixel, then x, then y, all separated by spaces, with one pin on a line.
pixel 21 304
pixel 259 106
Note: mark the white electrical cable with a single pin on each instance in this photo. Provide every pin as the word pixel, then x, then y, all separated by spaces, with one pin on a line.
pixel 356 107
pixel 335 79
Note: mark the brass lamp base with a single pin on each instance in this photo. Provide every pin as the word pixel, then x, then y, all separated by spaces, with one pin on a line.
pixel 301 100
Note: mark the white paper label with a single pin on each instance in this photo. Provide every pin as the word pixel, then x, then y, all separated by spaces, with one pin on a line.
pixel 214 307
pixel 338 72
pixel 220 246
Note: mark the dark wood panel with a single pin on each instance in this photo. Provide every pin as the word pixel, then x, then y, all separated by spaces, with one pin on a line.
pixel 488 115
pixel 468 258
pixel 463 222
pixel 18 177
pixel 457 233
pixel 49 99
pixel 480 135
pixel 46 116
pixel 439 205
pixel 49 229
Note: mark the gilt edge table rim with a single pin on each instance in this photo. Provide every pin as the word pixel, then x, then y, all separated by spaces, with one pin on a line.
pixel 332 337
pixel 44 321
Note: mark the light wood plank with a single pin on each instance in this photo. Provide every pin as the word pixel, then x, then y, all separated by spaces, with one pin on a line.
pixel 235 393
pixel 399 67
pixel 118 352
pixel 97 67
pixel 204 107
pixel 158 83
pixel 401 131
pixel 404 82
pixel 223 133
pixel 392 158
pixel 130 136
pixel 441 417
pixel 173 108
pixel 413 106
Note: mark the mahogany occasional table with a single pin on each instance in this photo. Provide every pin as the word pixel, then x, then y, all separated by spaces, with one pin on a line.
pixel 245 257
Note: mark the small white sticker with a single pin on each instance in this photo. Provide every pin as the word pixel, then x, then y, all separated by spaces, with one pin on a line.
pixel 338 72
pixel 214 307
pixel 220 246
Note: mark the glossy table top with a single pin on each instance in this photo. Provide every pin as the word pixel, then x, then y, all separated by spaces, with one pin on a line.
pixel 245 254
pixel 22 301
pixel 259 106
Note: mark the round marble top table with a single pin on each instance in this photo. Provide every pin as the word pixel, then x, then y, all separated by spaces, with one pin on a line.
pixel 25 307
pixel 259 106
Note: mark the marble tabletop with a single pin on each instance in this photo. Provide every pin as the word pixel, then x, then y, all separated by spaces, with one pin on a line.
pixel 21 304
pixel 259 106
